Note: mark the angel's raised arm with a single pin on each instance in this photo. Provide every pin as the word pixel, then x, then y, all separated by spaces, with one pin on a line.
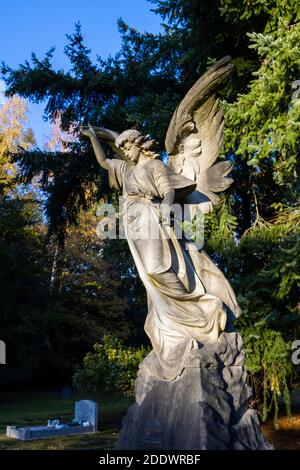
pixel 89 131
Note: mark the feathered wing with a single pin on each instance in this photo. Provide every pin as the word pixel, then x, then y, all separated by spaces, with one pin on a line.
pixel 195 136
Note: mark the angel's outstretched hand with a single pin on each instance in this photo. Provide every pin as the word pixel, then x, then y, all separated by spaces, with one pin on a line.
pixel 87 131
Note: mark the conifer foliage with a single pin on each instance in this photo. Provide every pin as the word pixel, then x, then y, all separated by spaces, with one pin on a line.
pixel 253 235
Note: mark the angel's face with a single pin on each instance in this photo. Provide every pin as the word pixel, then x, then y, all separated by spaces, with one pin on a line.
pixel 132 151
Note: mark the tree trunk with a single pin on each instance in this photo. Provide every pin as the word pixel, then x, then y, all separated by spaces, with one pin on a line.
pixel 55 281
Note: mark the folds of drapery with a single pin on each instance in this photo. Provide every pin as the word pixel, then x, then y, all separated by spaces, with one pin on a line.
pixel 188 296
pixel 181 309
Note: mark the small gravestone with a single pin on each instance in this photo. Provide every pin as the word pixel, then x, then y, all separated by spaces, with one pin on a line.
pixel 86 421
pixel 86 411
pixel 66 393
pixel 2 352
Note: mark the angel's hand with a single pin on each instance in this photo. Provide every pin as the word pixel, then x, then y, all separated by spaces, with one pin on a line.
pixel 88 131
pixel 165 214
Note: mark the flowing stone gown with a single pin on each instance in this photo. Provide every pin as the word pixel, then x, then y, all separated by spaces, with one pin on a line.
pixel 189 299
pixel 191 390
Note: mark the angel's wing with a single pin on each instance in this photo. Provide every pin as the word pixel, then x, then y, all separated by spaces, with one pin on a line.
pixel 195 136
pixel 109 137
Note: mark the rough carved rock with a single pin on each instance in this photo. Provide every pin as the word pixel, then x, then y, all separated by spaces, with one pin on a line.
pixel 205 408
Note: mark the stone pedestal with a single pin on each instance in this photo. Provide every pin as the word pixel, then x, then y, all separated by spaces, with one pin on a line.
pixel 205 408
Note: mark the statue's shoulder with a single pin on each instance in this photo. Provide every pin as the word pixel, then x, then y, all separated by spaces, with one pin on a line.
pixel 117 163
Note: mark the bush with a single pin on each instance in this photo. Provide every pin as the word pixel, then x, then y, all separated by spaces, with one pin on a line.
pixel 269 367
pixel 111 367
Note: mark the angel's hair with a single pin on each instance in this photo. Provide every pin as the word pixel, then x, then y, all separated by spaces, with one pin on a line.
pixel 147 145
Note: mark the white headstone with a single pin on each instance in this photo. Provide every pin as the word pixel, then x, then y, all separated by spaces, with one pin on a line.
pixel 87 411
pixel 2 352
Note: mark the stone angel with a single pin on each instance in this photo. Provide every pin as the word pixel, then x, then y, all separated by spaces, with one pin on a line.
pixel 189 299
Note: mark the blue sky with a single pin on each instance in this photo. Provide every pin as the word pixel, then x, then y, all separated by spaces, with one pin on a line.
pixel 35 25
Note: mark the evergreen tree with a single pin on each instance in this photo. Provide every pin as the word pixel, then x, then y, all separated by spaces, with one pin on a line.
pixel 253 234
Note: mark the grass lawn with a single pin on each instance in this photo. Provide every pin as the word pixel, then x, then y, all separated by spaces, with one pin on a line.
pixel 36 407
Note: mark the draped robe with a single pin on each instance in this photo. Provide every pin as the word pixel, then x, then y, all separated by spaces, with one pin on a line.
pixel 188 296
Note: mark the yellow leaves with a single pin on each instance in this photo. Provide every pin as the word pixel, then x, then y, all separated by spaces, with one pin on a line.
pixel 112 354
pixel 13 134
pixel 274 384
pixel 12 125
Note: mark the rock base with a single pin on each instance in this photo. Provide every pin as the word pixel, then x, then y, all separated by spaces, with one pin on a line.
pixel 205 408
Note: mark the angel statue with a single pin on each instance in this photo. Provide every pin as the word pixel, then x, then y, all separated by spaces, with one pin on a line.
pixel 189 299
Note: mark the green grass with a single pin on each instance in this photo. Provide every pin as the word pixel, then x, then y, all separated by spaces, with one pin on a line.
pixel 36 407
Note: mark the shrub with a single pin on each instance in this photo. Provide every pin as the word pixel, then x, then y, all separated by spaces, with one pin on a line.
pixel 111 367
pixel 269 367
